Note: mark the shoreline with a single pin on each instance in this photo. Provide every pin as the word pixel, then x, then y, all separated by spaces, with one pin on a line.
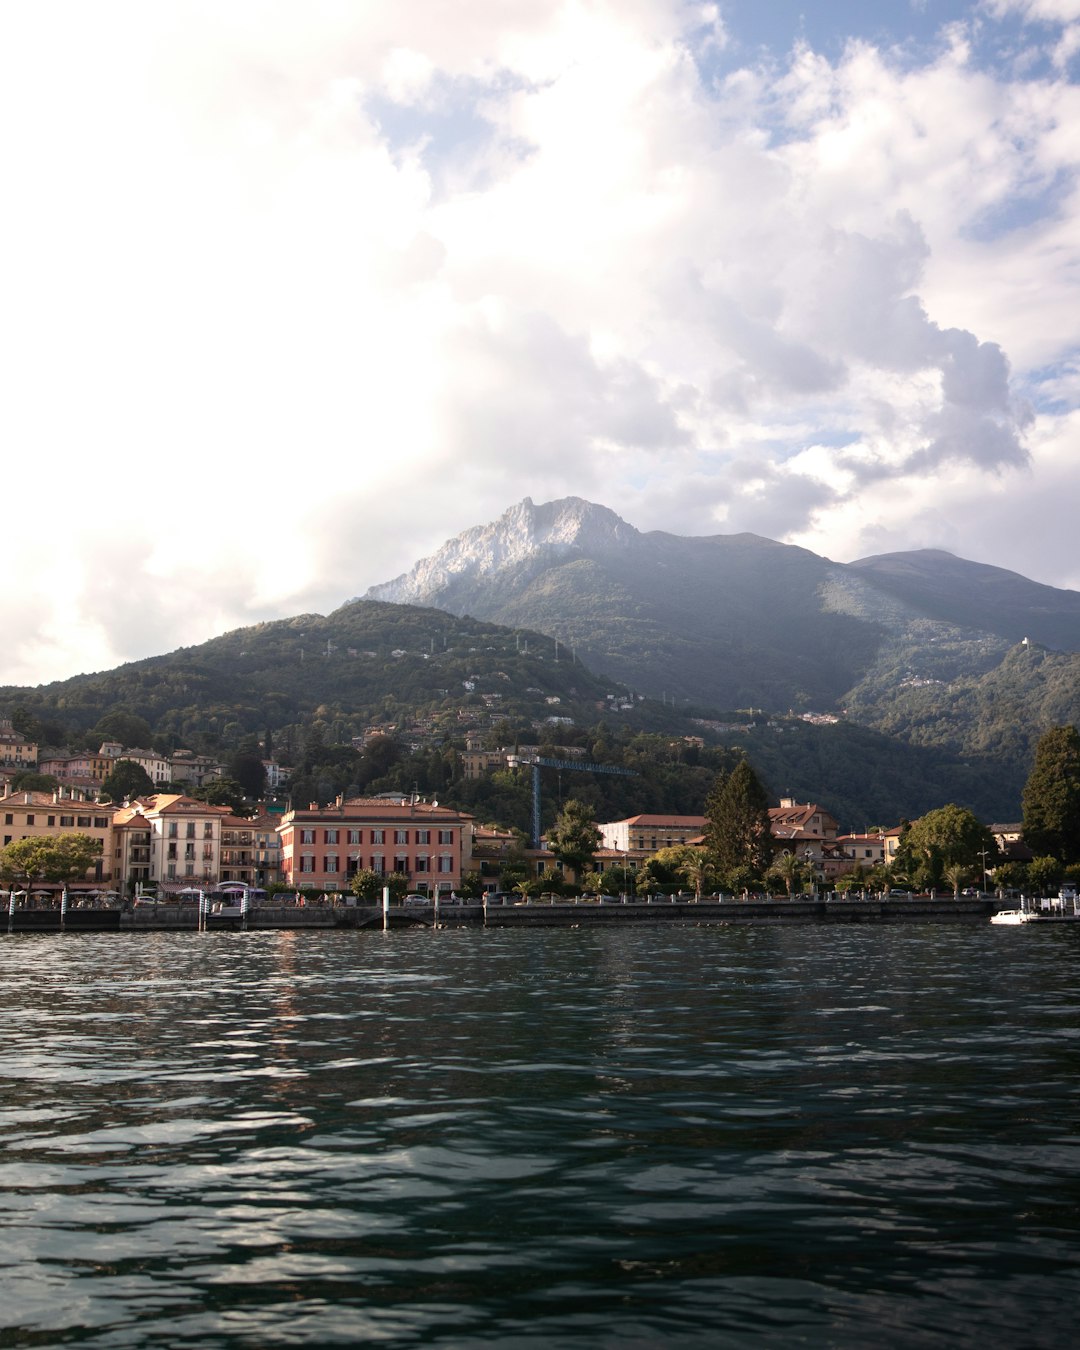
pixel 531 914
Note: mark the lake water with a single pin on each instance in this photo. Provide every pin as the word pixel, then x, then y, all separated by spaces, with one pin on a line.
pixel 694 1136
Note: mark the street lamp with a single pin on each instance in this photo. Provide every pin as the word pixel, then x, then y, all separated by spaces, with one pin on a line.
pixel 982 854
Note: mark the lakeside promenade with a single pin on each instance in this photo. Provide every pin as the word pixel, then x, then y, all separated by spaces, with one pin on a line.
pixel 172 917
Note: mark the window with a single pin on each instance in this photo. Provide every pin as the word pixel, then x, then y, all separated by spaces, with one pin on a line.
pixel 446 863
pixel 446 836
pixel 29 820
pixel 378 836
pixel 401 863
pixel 423 836
pixel 174 829
pixel 330 862
pixel 307 863
pixel 100 822
pixel 378 863
pixel 189 850
pixel 208 829
pixel 329 836
pixel 354 836
pixel 51 820
pixel 191 829
pixel 422 863
pixel 83 822
pixel 307 836
pixel 172 871
pixel 401 836
pixel 9 819
pixel 189 869
pixel 172 850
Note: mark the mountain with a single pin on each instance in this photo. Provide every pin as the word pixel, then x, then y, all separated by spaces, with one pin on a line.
pixel 365 664
pixel 927 694
pixel 726 621
pixel 922 646
pixel 976 595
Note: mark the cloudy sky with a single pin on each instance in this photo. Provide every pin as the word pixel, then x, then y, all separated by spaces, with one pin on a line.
pixel 290 293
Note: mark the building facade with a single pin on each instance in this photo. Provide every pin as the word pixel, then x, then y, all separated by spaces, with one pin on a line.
pixel 639 837
pixel 52 815
pixel 323 847
pixel 169 840
pixel 16 751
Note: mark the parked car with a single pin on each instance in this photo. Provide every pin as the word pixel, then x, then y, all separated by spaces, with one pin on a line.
pixel 417 900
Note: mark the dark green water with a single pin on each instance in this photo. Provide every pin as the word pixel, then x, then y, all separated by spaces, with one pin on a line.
pixel 645 1137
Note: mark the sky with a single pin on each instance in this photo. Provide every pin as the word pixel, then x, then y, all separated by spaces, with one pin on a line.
pixel 290 294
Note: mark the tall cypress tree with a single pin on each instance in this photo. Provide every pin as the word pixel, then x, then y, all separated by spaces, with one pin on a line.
pixel 1052 796
pixel 574 838
pixel 737 830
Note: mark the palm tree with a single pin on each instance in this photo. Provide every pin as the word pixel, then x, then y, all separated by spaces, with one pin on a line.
pixel 788 869
pixel 955 874
pixel 697 870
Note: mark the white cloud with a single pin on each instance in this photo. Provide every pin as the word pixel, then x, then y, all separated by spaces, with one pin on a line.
pixel 294 293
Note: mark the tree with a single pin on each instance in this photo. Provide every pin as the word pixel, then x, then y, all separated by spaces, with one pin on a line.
pixel 698 870
pixel 955 874
pixel 248 770
pixel 551 882
pixel 29 780
pixel 737 830
pixel 224 792
pixel 126 780
pixel 368 885
pixel 472 886
pixel 949 836
pixel 574 838
pixel 1051 800
pixel 1044 874
pixel 127 728
pixel 1011 876
pixel 618 880
pixel 788 869
pixel 46 858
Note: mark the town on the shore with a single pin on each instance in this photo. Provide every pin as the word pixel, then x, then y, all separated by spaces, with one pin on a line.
pixel 166 841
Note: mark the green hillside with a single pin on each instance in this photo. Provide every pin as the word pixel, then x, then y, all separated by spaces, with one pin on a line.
pixel 309 685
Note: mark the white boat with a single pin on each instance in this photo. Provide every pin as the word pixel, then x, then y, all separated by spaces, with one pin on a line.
pixel 1012 916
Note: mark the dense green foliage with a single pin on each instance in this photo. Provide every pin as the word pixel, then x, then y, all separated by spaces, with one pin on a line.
pixel 66 858
pixel 948 840
pixel 405 683
pixel 573 839
pixel 737 832
pixel 1051 798
pixel 126 780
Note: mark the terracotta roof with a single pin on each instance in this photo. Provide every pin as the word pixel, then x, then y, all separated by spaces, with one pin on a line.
pixel 657 822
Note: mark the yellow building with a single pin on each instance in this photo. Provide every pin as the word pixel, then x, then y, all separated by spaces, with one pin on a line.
pixel 52 815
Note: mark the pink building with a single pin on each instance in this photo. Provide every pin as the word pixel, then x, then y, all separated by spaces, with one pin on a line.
pixel 324 847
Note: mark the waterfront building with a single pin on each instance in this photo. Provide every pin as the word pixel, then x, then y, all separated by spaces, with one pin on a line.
pixel 324 846
pixel 52 815
pixel 169 840
pixel 807 820
pixel 639 837
pixel 251 850
pixel 866 849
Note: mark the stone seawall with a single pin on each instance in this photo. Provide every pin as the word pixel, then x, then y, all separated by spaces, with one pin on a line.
pixel 531 914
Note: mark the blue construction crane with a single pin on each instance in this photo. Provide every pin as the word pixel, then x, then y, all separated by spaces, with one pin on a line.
pixel 538 762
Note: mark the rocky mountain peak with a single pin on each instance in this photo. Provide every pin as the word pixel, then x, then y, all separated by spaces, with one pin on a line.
pixel 523 532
